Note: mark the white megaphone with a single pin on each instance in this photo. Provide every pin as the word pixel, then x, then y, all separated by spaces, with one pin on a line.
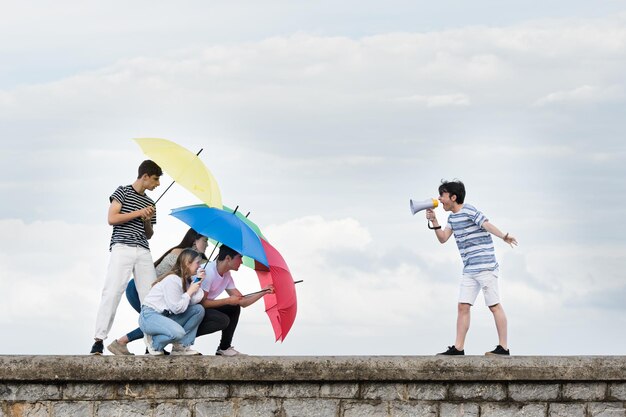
pixel 429 203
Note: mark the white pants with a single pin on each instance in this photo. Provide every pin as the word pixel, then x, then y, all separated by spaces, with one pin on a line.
pixel 125 261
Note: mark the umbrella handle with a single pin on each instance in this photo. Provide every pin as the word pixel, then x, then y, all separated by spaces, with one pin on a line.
pixel 170 186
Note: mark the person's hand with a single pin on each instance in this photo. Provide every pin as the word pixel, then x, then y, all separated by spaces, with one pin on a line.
pixel 201 273
pixel 269 289
pixel 510 240
pixel 193 287
pixel 430 215
pixel 146 213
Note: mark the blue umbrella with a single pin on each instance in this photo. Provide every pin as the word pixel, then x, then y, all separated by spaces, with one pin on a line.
pixel 223 226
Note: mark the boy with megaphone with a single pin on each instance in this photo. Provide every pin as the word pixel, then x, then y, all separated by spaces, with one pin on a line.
pixel 472 232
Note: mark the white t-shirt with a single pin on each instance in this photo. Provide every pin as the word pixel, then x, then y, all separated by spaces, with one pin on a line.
pixel 168 294
pixel 214 283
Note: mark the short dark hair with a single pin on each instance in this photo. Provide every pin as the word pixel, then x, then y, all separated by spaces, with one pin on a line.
pixel 150 168
pixel 226 251
pixel 455 187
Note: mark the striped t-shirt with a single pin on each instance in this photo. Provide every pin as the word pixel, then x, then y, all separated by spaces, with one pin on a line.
pixel 474 242
pixel 131 232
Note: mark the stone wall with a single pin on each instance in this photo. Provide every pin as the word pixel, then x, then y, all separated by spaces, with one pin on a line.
pixel 312 386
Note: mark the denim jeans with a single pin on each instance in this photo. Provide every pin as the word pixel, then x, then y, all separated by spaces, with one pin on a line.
pixel 174 328
pixel 133 299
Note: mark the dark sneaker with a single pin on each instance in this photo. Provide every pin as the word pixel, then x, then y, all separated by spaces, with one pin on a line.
pixel 97 348
pixel 499 350
pixel 452 350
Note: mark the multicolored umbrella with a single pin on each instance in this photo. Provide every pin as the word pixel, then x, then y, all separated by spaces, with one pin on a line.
pixel 281 307
pixel 185 167
pixel 225 227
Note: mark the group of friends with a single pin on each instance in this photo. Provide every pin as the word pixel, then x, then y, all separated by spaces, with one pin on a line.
pixel 176 296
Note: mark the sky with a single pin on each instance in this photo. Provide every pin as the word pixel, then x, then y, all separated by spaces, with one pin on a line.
pixel 322 119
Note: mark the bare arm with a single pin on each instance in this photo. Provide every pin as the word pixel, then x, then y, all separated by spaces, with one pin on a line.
pixel 442 234
pixel 491 228
pixel 251 299
pixel 232 300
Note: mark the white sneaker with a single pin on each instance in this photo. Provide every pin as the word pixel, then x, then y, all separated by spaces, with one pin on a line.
pixel 178 349
pixel 229 352
pixel 148 339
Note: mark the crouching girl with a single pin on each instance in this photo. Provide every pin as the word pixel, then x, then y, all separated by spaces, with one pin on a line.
pixel 170 312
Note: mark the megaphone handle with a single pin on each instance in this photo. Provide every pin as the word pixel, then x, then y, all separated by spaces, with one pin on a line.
pixel 432 228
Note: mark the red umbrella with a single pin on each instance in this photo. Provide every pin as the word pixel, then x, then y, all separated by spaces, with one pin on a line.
pixel 281 306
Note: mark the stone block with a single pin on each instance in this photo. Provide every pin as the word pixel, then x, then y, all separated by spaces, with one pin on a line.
pixel 412 409
pixel 513 410
pixel 365 409
pixel 29 392
pixel 269 407
pixel 566 410
pixel 339 390
pixel 90 391
pixel 204 390
pixel 295 390
pixel 383 391
pixel 606 410
pixel 533 392
pixel 458 410
pixel 141 391
pixel 310 408
pixel 38 409
pixel 249 390
pixel 586 391
pixel 73 409
pixel 177 409
pixel 124 408
pixel 617 391
pixel 426 391
pixel 215 409
pixel 477 391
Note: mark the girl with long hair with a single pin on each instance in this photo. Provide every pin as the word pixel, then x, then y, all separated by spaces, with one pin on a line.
pixel 171 312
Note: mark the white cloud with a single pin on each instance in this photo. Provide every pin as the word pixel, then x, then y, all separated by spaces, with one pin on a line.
pixel 441 100
pixel 585 94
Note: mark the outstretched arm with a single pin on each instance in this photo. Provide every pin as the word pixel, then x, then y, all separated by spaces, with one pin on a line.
pixel 491 228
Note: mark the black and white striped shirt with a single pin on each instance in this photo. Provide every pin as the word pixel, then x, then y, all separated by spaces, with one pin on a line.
pixel 131 232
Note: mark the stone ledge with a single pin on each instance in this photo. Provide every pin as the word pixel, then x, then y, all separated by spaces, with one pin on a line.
pixel 310 368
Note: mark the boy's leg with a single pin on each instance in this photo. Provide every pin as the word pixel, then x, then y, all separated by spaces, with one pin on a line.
pixel 468 291
pixel 491 291
pixel 228 333
pixel 462 324
pixel 501 324
pixel 144 272
pixel 118 273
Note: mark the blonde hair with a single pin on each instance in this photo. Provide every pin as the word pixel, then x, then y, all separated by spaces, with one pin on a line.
pixel 181 267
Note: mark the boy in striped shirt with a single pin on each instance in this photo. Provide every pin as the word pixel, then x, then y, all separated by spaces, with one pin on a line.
pixel 472 232
pixel 132 214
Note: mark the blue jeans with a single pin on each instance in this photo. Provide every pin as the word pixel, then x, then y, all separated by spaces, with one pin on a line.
pixel 133 299
pixel 174 328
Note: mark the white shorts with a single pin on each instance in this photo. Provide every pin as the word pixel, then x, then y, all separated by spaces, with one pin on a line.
pixel 471 285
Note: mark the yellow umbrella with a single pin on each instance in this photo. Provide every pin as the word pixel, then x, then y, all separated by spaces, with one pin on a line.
pixel 184 167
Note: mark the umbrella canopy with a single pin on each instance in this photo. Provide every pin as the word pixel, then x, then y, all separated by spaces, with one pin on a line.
pixel 281 307
pixel 184 167
pixel 223 226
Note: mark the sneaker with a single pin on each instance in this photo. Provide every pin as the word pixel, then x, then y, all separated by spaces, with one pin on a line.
pixel 229 352
pixel 499 350
pixel 179 349
pixel 452 350
pixel 148 340
pixel 97 348
pixel 117 348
